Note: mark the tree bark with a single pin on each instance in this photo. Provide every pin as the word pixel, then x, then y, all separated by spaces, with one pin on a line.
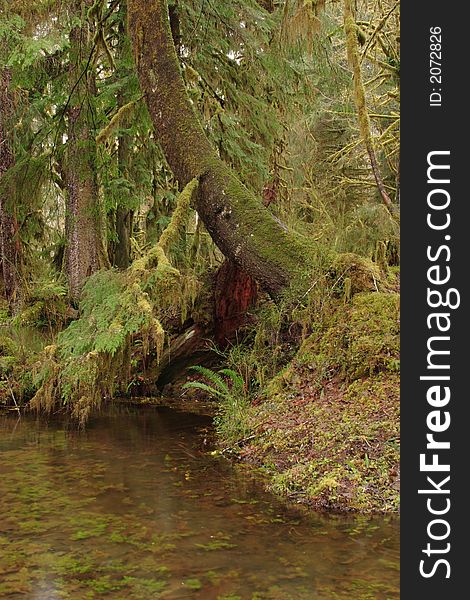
pixel 84 252
pixel 240 226
pixel 175 25
pixel 10 248
pixel 234 294
pixel 268 5
pixel 123 231
pixel 124 215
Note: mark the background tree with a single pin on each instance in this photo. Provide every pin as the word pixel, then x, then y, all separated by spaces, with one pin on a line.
pixel 85 251
pixel 10 248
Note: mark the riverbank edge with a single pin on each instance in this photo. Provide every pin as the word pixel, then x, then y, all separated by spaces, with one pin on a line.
pixel 325 432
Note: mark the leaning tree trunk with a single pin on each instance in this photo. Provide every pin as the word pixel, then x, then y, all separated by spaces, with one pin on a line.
pixel 350 29
pixel 10 249
pixel 240 226
pixel 85 252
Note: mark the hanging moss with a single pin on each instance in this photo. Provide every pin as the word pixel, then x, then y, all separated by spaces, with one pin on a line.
pixel 46 375
pixel 90 360
pixel 96 10
pixel 25 179
pixel 119 119
pixel 120 312
pixel 301 22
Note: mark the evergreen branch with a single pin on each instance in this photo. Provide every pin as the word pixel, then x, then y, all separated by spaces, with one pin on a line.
pixel 72 91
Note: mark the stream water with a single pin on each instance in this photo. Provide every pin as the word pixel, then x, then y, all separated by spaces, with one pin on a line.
pixel 135 507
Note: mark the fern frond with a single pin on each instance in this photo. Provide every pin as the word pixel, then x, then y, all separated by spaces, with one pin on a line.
pixel 237 380
pixel 213 377
pixel 202 386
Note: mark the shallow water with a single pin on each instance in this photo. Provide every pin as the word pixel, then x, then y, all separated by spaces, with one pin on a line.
pixel 135 508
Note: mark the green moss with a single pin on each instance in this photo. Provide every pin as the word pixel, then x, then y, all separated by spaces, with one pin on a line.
pixel 216 545
pixel 349 458
pixel 255 228
pixel 192 584
pixel 360 339
pixel 20 348
pixel 105 584
pixel 351 273
pixel 144 586
pixel 219 541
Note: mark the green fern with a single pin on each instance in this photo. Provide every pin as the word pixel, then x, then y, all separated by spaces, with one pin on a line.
pixel 237 380
pixel 230 389
pixel 220 388
pixel 203 386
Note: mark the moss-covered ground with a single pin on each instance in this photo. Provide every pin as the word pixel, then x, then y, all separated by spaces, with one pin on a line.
pixel 326 429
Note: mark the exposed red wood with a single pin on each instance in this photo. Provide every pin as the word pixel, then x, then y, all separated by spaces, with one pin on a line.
pixel 235 293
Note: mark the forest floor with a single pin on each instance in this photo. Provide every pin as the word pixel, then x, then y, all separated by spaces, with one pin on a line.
pixel 326 429
pixel 335 449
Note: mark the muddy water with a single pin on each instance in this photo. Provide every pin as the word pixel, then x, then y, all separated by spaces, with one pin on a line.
pixel 135 508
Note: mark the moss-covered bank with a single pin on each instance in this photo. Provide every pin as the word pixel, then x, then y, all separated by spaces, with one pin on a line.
pixel 326 429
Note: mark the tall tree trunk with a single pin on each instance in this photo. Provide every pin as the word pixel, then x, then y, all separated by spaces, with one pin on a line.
pixel 124 215
pixel 10 248
pixel 84 252
pixel 238 223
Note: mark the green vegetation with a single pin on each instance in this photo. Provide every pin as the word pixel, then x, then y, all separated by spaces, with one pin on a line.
pixel 230 389
pixel 224 195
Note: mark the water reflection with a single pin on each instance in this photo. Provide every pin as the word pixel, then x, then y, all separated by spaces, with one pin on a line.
pixel 134 508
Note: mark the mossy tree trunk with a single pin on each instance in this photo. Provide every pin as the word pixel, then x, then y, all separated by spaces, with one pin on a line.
pixel 10 247
pixel 175 24
pixel 237 221
pixel 350 30
pixel 85 249
pixel 124 215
